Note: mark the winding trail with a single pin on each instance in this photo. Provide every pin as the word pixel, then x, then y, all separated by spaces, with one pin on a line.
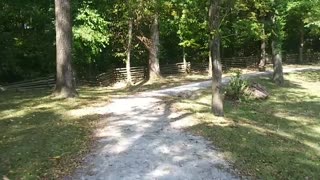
pixel 140 139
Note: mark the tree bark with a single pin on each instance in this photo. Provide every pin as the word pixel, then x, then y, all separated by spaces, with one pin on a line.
pixel 154 68
pixel 185 65
pixel 301 48
pixel 263 58
pixel 210 65
pixel 276 52
pixel 128 61
pixel 214 20
pixel 65 86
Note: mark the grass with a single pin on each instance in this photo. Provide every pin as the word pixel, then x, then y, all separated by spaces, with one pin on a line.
pixel 177 80
pixel 42 137
pixel 274 139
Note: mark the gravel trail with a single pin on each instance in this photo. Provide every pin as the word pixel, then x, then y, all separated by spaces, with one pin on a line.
pixel 141 140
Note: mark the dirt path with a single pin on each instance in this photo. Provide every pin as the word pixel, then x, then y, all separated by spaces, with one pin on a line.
pixel 141 140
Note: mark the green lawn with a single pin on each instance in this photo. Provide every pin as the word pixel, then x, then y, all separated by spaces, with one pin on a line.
pixel 274 139
pixel 43 137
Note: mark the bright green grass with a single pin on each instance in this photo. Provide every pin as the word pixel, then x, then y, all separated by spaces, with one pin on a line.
pixel 274 139
pixel 40 137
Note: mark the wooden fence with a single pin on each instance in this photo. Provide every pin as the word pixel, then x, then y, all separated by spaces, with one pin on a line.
pixel 173 69
pixel 120 74
pixel 115 75
pixel 307 58
pixel 38 83
pixel 137 73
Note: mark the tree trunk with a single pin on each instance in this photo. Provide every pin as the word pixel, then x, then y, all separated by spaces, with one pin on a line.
pixel 276 52
pixel 214 18
pixel 210 65
pixel 185 65
pixel 65 86
pixel 128 61
pixel 263 59
pixel 154 68
pixel 301 48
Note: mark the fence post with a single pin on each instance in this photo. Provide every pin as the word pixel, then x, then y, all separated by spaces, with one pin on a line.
pixel 145 72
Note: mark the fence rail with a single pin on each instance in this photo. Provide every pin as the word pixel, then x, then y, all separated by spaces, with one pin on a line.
pixel 115 75
pixel 38 83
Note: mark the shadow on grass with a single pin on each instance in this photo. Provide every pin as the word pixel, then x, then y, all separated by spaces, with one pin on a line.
pixel 167 82
pixel 274 139
pixel 39 144
pixel 38 138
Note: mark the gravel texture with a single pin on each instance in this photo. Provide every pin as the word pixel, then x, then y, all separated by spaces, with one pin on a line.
pixel 141 138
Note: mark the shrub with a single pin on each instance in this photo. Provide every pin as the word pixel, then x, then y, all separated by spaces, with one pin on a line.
pixel 235 90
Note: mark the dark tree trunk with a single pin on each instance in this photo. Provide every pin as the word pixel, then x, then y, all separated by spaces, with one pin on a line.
pixel 276 52
pixel 214 20
pixel 65 86
pixel 154 68
pixel 128 61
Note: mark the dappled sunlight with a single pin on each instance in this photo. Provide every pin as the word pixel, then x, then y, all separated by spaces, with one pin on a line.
pixel 161 171
pixel 167 82
pixel 37 130
pixel 89 110
pixel 123 144
pixel 282 133
pixel 316 129
pixel 267 138
pixel 141 138
pixel 301 118
pixel 7 114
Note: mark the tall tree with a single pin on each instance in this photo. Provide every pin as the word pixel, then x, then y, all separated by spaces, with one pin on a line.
pixel 276 44
pixel 263 56
pixel 129 47
pixel 65 86
pixel 214 20
pixel 128 60
pixel 149 13
pixel 154 67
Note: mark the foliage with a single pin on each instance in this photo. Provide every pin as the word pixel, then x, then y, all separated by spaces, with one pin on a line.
pixel 236 87
pixel 26 36
pixel 27 32
pixel 91 30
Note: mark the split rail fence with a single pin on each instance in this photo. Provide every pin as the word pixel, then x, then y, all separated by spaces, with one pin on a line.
pixel 140 73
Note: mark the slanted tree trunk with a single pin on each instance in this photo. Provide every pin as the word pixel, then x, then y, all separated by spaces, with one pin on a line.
pixel 301 48
pixel 276 52
pixel 65 86
pixel 128 61
pixel 214 20
pixel 154 68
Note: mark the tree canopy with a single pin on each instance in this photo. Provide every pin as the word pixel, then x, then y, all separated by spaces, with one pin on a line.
pixel 100 32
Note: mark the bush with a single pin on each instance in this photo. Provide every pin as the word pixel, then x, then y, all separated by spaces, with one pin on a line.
pixel 235 90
